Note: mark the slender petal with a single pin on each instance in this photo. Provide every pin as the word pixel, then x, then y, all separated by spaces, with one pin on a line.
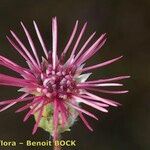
pixel 54 34
pixel 108 80
pixel 31 43
pixel 78 40
pixel 82 110
pixel 99 103
pixel 107 91
pixel 101 64
pixel 90 51
pixel 63 114
pixel 36 100
pixel 12 81
pixel 30 112
pixel 85 121
pixel 78 99
pixel 38 120
pixel 84 46
pixel 71 38
pixel 40 39
pixel 97 98
pixel 55 119
pixel 11 65
pixel 25 49
pixel 8 106
pixel 22 99
pixel 12 103
pixel 20 51
pixel 99 85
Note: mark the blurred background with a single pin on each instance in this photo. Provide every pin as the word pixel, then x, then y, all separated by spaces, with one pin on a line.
pixel 127 24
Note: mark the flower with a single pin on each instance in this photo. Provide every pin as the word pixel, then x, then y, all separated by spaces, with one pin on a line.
pixel 54 87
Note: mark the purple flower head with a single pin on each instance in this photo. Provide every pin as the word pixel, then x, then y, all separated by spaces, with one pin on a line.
pixel 53 87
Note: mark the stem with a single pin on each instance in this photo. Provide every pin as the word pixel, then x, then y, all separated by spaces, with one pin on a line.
pixel 56 147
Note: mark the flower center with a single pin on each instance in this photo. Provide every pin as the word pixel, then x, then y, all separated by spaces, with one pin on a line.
pixel 58 84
